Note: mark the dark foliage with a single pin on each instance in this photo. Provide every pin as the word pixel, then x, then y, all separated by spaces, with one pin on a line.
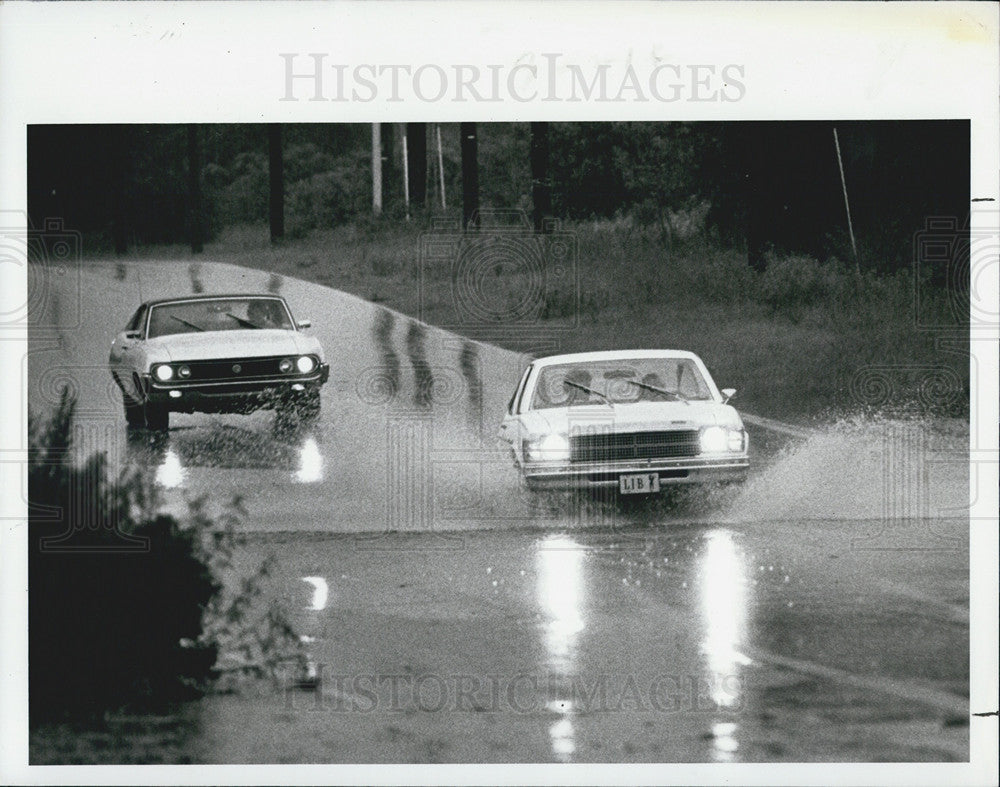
pixel 115 593
pixel 772 186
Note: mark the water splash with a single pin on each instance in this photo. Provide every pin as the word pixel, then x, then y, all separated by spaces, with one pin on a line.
pixel 862 468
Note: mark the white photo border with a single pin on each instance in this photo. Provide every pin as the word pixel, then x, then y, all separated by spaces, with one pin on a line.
pixel 205 62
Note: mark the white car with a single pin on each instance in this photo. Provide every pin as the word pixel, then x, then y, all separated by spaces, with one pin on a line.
pixel 634 420
pixel 216 353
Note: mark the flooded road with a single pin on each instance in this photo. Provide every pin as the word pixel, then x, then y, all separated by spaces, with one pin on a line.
pixel 693 643
pixel 819 613
pixel 407 408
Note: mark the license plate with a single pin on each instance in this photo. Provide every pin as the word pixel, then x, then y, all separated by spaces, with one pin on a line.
pixel 639 484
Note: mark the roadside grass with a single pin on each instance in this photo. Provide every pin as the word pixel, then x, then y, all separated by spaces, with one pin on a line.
pixel 801 340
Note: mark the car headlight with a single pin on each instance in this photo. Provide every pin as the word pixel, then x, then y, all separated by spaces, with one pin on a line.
pixel 184 371
pixel 552 447
pixel 163 372
pixel 718 440
pixel 305 364
pixel 285 365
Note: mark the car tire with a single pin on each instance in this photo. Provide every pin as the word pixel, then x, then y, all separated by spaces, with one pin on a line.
pixel 135 416
pixel 157 417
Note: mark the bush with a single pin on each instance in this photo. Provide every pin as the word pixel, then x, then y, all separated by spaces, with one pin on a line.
pixel 108 623
pixel 239 195
pixel 328 198
pixel 125 604
pixel 790 284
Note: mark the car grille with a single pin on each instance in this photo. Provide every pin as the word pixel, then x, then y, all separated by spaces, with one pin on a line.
pixel 223 369
pixel 610 447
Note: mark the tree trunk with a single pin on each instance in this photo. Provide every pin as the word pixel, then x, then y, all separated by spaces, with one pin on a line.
pixel 119 156
pixel 756 194
pixel 416 148
pixel 541 190
pixel 276 172
pixel 470 175
pixel 194 188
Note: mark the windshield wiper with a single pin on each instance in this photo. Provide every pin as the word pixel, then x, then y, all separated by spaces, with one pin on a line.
pixel 590 391
pixel 658 390
pixel 185 322
pixel 241 321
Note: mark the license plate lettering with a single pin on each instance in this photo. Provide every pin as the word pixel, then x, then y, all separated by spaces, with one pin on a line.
pixel 639 483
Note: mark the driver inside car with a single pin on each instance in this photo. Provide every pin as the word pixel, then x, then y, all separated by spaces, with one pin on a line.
pixel 265 314
pixel 654 380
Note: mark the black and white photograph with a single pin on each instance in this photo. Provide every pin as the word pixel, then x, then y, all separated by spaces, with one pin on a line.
pixel 615 404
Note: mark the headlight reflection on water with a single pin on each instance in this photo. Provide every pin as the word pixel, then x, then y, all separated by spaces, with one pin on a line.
pixel 724 609
pixel 320 592
pixel 562 737
pixel 170 472
pixel 560 582
pixel 724 601
pixel 310 462
pixel 560 596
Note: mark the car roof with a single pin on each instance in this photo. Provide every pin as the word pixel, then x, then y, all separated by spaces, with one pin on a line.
pixel 212 297
pixel 610 355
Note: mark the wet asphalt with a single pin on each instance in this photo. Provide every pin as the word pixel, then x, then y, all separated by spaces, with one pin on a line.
pixel 820 613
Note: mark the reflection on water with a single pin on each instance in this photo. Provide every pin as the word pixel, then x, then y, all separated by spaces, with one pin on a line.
pixel 170 472
pixel 724 743
pixel 723 594
pixel 468 361
pixel 382 330
pixel 423 377
pixel 194 272
pixel 563 742
pixel 320 594
pixel 560 583
pixel 171 455
pixel 724 608
pixel 560 596
pixel 310 462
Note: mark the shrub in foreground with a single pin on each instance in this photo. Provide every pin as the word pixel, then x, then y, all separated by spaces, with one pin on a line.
pixel 126 606
pixel 113 589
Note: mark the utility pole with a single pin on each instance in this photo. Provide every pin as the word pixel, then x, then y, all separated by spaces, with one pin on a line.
pixel 444 203
pixel 406 178
pixel 847 205
pixel 376 169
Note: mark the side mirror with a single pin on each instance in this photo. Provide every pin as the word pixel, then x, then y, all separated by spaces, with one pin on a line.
pixel 303 324
pixel 727 394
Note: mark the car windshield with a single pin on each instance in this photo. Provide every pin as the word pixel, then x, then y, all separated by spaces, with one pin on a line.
pixel 224 314
pixel 626 380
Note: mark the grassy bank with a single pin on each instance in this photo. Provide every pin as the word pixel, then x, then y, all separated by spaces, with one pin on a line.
pixel 802 340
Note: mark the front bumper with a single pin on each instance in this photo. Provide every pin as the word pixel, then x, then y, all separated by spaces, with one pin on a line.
pixel 233 395
pixel 593 475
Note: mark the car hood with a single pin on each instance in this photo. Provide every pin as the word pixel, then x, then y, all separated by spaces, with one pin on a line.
pixel 233 344
pixel 638 417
